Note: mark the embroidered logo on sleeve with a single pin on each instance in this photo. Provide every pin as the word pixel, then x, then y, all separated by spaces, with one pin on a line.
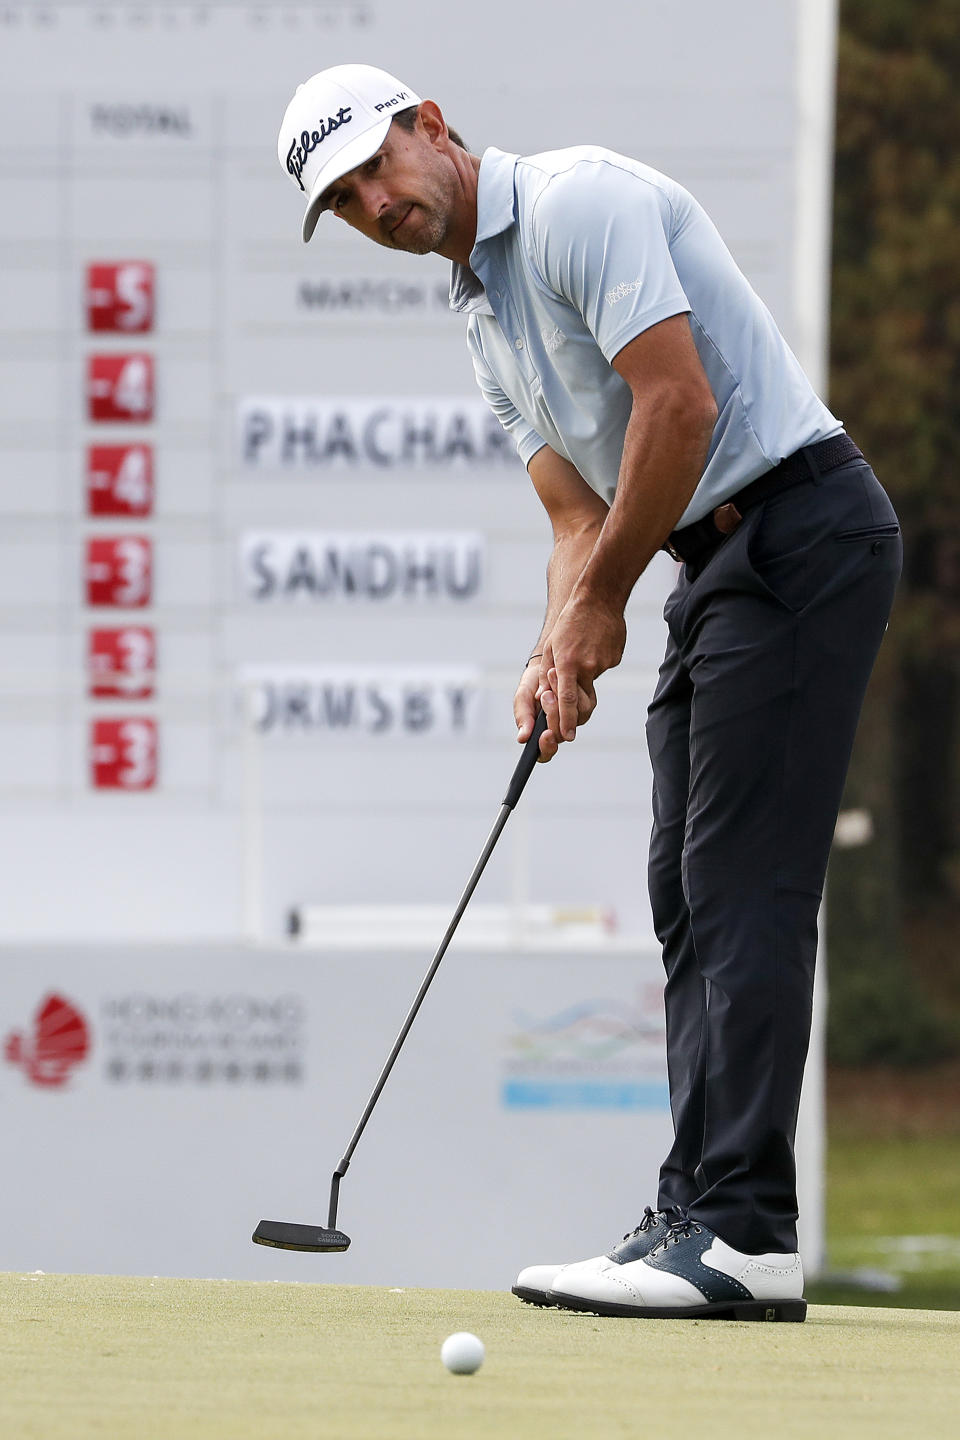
pixel 621 291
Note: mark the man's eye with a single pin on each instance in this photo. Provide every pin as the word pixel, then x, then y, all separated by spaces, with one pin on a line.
pixel 374 165
pixel 340 201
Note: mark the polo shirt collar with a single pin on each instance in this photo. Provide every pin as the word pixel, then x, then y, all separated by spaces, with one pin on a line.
pixel 496 197
pixel 496 212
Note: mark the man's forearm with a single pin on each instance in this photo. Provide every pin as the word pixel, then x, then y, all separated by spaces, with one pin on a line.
pixel 661 467
pixel 570 554
pixel 666 444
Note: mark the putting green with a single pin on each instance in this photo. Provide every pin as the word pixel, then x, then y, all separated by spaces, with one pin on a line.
pixel 140 1359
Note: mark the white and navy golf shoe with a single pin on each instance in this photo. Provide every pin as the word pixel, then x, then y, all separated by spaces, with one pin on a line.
pixel 535 1282
pixel 689 1274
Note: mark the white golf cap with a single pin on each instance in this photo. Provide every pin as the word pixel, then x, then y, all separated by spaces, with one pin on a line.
pixel 336 120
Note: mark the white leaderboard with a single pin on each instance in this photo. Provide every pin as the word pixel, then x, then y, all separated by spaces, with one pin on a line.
pixel 226 455
pixel 269 571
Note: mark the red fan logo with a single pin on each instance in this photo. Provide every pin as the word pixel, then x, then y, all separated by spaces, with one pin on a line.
pixel 61 1039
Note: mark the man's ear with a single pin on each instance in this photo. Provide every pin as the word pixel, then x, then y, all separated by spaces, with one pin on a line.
pixel 430 118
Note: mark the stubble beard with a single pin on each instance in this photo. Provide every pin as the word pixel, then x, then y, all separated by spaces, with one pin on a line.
pixel 433 217
pixel 432 229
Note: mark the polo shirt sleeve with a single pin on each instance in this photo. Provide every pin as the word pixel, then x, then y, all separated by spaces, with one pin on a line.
pixel 526 439
pixel 601 240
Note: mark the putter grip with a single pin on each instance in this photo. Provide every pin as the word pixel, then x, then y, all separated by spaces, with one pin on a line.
pixel 526 763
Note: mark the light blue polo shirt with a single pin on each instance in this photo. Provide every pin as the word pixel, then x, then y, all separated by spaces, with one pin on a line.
pixel 579 251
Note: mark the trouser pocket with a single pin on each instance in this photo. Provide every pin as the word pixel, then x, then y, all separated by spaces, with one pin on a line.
pixel 867 532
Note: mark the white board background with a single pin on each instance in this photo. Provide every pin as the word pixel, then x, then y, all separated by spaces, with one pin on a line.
pixel 160 145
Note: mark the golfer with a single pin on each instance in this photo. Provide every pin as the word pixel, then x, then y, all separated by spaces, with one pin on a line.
pixel 656 406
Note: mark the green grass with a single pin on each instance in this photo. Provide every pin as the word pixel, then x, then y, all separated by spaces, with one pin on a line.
pixel 905 1184
pixel 893 1189
pixel 937 1290
pixel 138 1359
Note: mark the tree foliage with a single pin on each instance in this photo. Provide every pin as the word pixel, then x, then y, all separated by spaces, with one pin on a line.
pixel 895 368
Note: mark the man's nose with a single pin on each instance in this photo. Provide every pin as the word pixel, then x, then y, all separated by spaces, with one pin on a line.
pixel 373 202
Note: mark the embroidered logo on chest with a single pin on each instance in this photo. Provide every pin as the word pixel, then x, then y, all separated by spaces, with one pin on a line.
pixel 552 338
pixel 621 291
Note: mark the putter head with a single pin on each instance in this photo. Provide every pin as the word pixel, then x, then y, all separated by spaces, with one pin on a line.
pixel 284 1236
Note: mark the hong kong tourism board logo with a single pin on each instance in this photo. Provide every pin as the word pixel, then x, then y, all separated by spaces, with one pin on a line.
pixel 201 1040
pixel 595 1054
pixel 163 1041
pixel 55 1042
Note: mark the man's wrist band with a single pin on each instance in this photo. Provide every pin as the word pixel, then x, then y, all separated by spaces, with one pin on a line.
pixel 538 656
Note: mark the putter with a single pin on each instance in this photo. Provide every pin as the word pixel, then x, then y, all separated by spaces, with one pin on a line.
pixel 284 1235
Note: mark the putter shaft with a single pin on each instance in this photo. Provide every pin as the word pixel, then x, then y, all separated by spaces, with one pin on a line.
pixel 285 1236
pixel 341 1169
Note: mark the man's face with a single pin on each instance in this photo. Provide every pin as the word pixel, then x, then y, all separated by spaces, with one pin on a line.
pixel 403 197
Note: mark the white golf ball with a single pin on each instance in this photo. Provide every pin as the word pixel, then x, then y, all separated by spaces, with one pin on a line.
pixel 462 1353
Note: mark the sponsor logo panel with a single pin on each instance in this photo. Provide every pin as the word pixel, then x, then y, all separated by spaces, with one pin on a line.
pixel 363 702
pixel 204 1040
pixel 190 1039
pixel 331 435
pixel 599 1053
pixel 378 567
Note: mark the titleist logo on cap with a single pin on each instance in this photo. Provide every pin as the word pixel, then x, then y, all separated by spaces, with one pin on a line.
pixel 310 139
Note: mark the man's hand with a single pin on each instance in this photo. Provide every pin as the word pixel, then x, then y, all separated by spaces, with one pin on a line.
pixel 577 514
pixel 587 639
pixel 525 706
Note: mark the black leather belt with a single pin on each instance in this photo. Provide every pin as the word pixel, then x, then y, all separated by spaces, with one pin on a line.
pixel 695 542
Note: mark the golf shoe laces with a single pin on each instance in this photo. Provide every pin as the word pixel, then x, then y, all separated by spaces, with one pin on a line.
pixel 651 1219
pixel 681 1229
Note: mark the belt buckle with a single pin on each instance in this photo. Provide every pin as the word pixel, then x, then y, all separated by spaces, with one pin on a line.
pixel 726 518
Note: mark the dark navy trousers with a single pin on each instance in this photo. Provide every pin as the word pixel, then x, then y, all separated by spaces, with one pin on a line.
pixel 771 643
